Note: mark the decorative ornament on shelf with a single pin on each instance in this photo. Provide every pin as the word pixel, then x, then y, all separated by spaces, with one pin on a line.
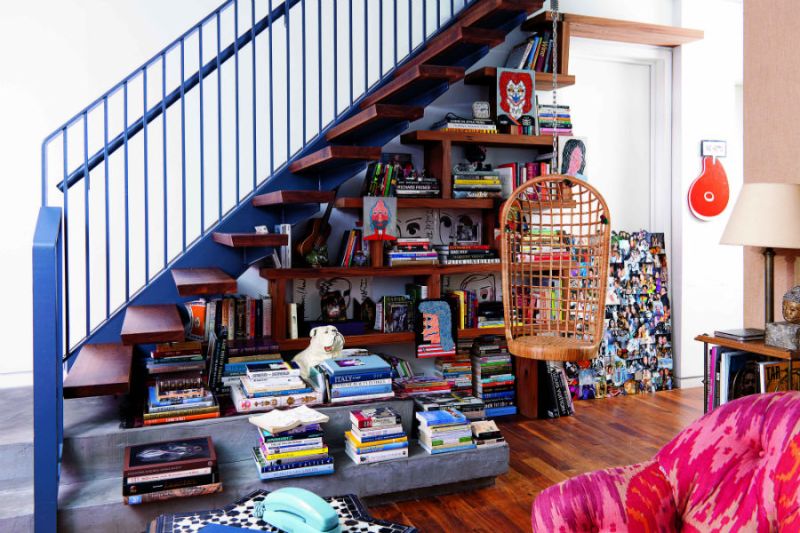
pixel 481 109
pixel 326 343
pixel 791 305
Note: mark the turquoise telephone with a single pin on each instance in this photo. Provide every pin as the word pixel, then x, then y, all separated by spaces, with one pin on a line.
pixel 298 511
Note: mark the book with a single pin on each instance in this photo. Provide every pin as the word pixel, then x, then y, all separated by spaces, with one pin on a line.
pixel 244 404
pixel 165 476
pixel 355 365
pixel 447 449
pixel 292 319
pixel 358 443
pixel 376 417
pixel 279 421
pixel 132 488
pixel 182 492
pixel 443 417
pixel 183 418
pixel 262 371
pixel 168 456
pixel 375 457
pixel 743 334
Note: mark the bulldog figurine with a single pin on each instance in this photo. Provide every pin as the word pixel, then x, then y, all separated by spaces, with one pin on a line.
pixel 326 343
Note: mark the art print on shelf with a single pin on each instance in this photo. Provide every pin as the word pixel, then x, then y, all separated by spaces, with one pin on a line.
pixel 435 328
pixel 516 92
pixel 380 218
pixel 441 226
pixel 636 351
pixel 572 156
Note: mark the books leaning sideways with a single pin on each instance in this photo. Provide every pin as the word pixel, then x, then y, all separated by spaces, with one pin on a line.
pixel 492 375
pixel 376 436
pixel 465 125
pixel 444 431
pixel 172 469
pixel 486 434
pixel 291 444
pixel 356 378
pixel 476 184
pixel 270 384
pixel 179 398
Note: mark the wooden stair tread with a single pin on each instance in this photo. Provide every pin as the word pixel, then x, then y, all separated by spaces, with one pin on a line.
pixel 99 370
pixel 488 76
pixel 373 118
pixel 417 78
pixel 330 155
pixel 145 324
pixel 202 281
pixel 250 240
pixel 292 197
pixel 492 13
pixel 452 43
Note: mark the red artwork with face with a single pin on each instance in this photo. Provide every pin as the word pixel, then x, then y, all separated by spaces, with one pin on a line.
pixel 516 93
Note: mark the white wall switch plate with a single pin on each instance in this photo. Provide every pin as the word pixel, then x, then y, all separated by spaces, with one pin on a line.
pixel 714 148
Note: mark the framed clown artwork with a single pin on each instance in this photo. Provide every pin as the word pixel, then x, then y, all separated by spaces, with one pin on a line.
pixel 516 96
pixel 435 328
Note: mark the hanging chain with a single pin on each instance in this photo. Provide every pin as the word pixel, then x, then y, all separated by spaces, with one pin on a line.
pixel 554 14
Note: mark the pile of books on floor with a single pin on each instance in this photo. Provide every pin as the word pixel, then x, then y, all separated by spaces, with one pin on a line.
pixel 465 125
pixel 376 435
pixel 555 398
pixel 291 444
pixel 173 357
pixel 244 317
pixel 476 184
pixel 490 315
pixel 417 186
pixel 355 378
pixel 535 53
pixel 466 254
pixel 471 407
pixel 179 398
pixel 270 384
pixel 457 371
pixel 486 434
pixel 173 469
pixel 419 385
pixel 411 251
pixel 444 431
pixel 493 376
pixel 555 119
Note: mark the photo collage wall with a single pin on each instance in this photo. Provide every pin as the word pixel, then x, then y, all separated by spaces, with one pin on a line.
pixel 636 351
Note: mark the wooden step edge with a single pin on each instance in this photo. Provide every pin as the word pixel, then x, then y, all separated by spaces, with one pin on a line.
pixel 331 154
pixel 373 114
pixel 147 324
pixel 452 37
pixel 446 74
pixel 100 370
pixel 292 197
pixel 250 240
pixel 482 10
pixel 203 281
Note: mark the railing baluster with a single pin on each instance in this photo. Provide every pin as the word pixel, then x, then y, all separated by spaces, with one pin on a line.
pixel 286 21
pixel 127 213
pixel 219 123
pixel 202 137
pixel 335 59
pixel 105 188
pixel 253 67
pixel 424 20
pixel 380 39
pixel 163 151
pixel 86 218
pixel 183 146
pixel 366 47
pixel 236 90
pixel 410 28
pixel 146 183
pixel 303 41
pixel 438 14
pixel 66 244
pixel 271 98
pixel 350 46
pixel 396 39
pixel 319 66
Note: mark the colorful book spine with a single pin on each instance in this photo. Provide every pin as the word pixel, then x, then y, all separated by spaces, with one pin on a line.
pixel 182 492
pixel 342 392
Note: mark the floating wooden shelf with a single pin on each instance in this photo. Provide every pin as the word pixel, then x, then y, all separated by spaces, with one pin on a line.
pixel 424 203
pixel 485 139
pixel 413 82
pixel 453 44
pixel 376 337
pixel 544 80
pixel 147 324
pixel 99 370
pixel 293 197
pixel 373 118
pixel 626 31
pixel 334 156
pixel 203 281
pixel 399 271
pixel 250 240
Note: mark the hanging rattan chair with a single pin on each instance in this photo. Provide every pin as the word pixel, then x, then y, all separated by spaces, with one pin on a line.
pixel 554 249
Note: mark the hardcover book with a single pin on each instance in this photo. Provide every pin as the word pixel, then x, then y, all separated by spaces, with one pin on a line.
pixel 168 456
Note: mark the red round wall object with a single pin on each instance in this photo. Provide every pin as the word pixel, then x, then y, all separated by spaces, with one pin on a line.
pixel 709 193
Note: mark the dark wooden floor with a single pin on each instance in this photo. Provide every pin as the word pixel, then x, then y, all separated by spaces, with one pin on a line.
pixel 602 433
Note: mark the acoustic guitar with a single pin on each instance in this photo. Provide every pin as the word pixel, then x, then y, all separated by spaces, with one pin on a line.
pixel 317 239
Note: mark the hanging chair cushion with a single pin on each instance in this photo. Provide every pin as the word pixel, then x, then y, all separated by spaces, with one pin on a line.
pixel 552 348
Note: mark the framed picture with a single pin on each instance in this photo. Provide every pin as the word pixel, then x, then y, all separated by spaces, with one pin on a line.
pixel 572 156
pixel 516 95
pixel 380 218
pixel 435 328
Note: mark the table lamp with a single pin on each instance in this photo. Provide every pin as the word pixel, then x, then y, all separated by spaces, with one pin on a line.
pixel 766 215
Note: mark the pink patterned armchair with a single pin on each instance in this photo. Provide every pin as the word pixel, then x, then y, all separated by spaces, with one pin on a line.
pixel 737 469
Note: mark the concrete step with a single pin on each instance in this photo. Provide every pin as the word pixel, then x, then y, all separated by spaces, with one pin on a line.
pixel 16 459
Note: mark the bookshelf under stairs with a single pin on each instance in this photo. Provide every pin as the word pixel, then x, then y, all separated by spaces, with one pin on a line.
pixel 101 361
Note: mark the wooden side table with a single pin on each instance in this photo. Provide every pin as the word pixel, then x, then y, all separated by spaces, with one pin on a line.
pixel 757 347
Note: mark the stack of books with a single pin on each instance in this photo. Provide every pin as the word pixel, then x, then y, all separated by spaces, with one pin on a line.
pixel 393 314
pixel 357 378
pixel 493 376
pixel 376 435
pixel 486 434
pixel 457 371
pixel 172 469
pixel 477 184
pixel 179 399
pixel 226 359
pixel 471 407
pixel 543 244
pixel 491 315
pixel 419 385
pixel 291 444
pixel 444 431
pixel 236 367
pixel 410 251
pixel 270 384
pixel 417 186
pixel 176 357
pixel 465 125
pixel 555 119
pixel 466 254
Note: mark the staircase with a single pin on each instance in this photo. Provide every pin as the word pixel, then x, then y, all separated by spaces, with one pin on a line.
pixel 94 331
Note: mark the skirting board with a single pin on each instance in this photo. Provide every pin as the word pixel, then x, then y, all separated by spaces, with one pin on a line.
pixel 690 382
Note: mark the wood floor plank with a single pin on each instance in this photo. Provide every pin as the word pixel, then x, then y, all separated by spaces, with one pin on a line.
pixel 602 434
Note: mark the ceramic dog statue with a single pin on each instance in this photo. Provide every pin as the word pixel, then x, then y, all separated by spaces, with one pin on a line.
pixel 326 343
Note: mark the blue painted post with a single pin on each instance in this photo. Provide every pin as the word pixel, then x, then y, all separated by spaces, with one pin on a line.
pixel 47 350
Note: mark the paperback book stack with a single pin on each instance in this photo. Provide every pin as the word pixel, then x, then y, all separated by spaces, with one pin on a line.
pixel 393 314
pixel 417 186
pixel 466 254
pixel 227 359
pixel 410 251
pixel 419 385
pixel 376 435
pixel 493 376
pixel 444 431
pixel 179 398
pixel 291 444
pixel 357 378
pixel 173 357
pixel 471 407
pixel 555 119
pixel 486 434
pixel 465 125
pixel 457 371
pixel 271 384
pixel 476 184
pixel 235 367
pixel 543 244
pixel 173 469
pixel 490 315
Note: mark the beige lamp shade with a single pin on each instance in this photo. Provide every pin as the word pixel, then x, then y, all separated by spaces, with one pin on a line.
pixel 765 215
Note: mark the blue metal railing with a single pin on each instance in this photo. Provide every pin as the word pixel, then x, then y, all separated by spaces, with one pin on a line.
pixel 131 173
